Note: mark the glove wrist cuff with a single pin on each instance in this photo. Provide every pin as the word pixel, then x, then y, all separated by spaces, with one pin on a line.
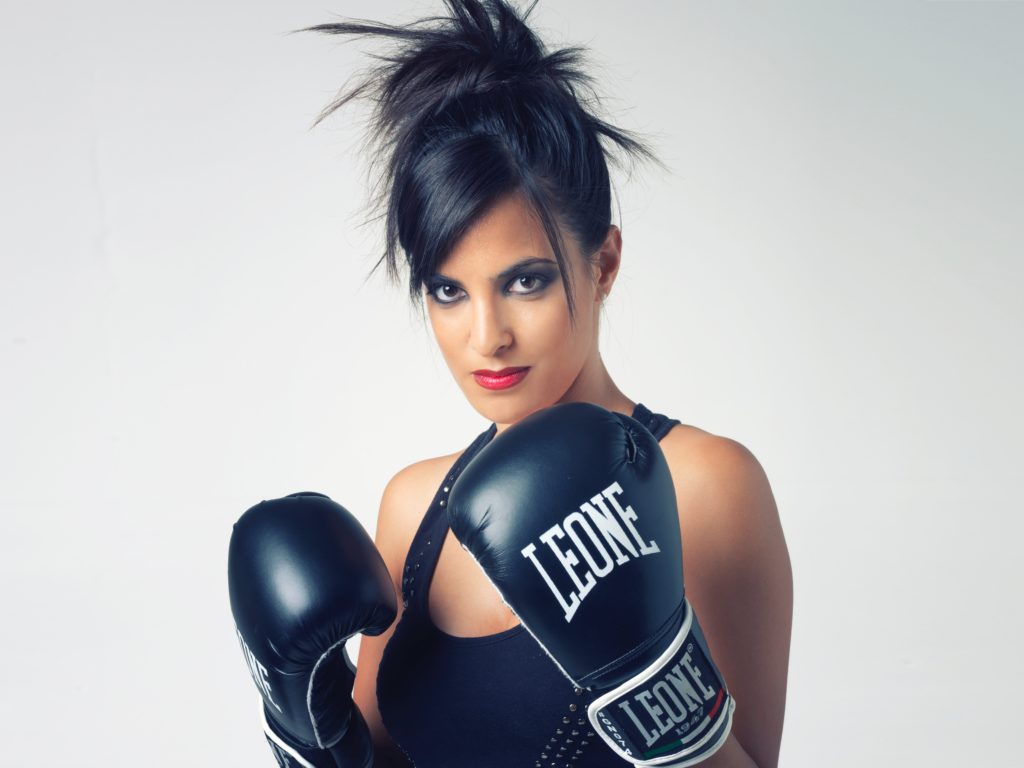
pixel 288 752
pixel 675 713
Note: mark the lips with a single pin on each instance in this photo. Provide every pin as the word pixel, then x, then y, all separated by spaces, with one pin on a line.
pixel 503 379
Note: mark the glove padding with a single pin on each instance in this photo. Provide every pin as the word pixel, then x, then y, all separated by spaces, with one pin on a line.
pixel 303 577
pixel 571 514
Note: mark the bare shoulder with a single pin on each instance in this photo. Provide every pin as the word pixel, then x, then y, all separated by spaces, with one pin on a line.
pixel 729 521
pixel 719 482
pixel 417 481
pixel 403 504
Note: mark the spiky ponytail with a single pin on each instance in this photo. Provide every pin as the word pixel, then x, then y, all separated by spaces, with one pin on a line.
pixel 469 108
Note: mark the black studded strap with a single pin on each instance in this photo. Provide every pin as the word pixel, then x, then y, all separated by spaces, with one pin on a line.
pixel 426 544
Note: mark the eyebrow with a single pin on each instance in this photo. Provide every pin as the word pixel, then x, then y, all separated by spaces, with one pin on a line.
pixel 528 262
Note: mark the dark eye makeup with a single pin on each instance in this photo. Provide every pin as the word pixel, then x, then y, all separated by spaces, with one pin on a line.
pixel 524 284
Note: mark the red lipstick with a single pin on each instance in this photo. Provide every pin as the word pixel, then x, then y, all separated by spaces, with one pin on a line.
pixel 503 379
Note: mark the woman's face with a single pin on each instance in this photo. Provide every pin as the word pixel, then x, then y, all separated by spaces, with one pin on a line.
pixel 497 303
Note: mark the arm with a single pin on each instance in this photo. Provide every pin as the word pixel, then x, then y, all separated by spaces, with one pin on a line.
pixel 739 581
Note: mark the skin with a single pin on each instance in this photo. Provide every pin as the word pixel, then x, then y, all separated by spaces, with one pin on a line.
pixel 737 568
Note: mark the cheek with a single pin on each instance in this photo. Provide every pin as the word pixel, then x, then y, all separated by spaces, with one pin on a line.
pixel 548 330
pixel 543 326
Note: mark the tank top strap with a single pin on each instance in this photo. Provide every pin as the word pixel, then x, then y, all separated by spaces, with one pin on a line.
pixel 658 424
pixel 426 544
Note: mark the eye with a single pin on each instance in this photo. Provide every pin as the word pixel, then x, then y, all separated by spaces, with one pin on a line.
pixel 444 293
pixel 529 283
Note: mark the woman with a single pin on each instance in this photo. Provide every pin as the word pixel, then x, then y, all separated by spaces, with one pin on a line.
pixel 496 189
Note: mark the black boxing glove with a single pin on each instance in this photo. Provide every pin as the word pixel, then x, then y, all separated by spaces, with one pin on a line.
pixel 571 513
pixel 303 577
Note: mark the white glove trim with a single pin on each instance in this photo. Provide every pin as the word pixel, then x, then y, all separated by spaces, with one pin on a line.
pixel 309 689
pixel 678 760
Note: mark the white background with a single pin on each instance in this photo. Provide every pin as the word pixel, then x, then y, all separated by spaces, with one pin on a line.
pixel 831 275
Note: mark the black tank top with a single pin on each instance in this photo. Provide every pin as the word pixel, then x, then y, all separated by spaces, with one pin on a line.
pixel 496 701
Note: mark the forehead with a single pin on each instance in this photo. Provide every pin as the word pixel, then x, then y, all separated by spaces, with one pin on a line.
pixel 508 232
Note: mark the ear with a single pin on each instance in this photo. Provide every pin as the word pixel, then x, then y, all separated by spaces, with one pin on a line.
pixel 606 263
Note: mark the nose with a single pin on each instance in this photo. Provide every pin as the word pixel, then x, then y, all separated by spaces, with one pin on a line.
pixel 490 333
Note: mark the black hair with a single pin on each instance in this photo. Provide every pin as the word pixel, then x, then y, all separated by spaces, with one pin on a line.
pixel 470 108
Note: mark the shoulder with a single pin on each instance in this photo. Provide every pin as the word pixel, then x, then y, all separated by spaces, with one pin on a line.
pixel 720 484
pixel 728 519
pixel 404 502
pixel 696 451
pixel 416 482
